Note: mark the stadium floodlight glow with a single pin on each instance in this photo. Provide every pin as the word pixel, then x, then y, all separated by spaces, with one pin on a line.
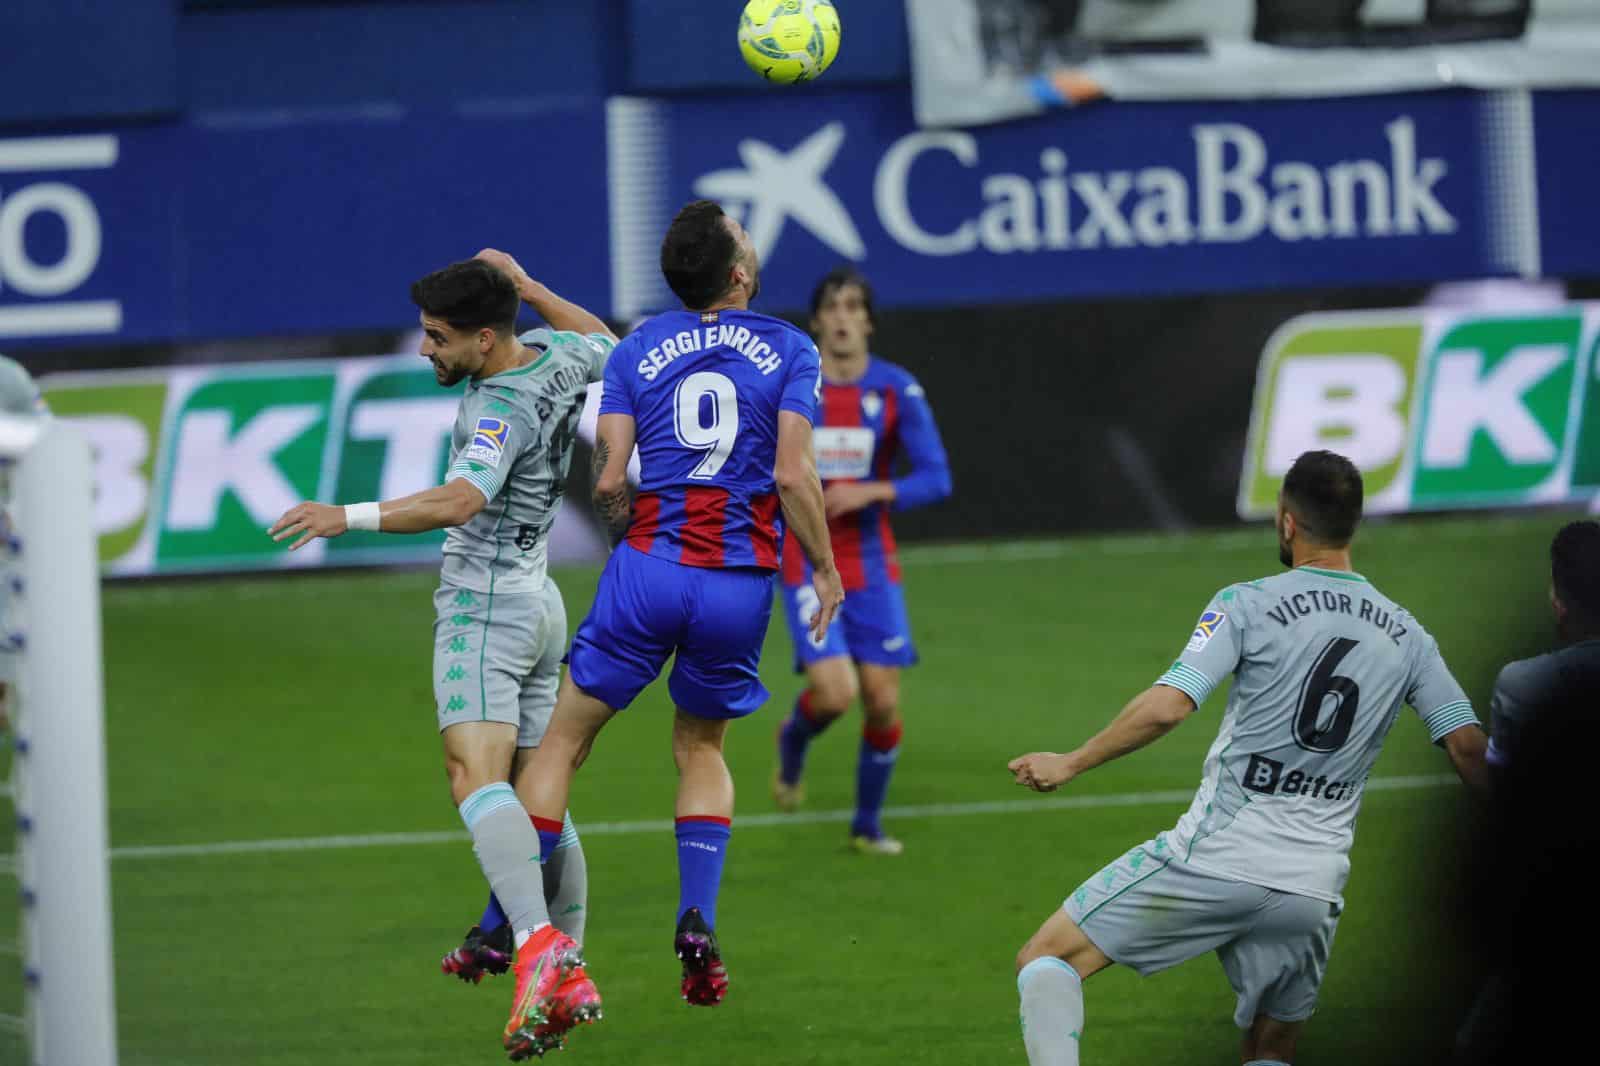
pixel 59 776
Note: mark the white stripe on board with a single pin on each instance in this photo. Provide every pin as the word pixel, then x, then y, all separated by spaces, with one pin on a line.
pixel 664 825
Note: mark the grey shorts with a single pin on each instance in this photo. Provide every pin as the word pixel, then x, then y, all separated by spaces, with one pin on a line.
pixel 497 657
pixel 1150 911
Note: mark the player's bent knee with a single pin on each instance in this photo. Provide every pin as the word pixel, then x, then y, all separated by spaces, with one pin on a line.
pixel 831 699
pixel 694 736
pixel 477 754
pixel 1060 938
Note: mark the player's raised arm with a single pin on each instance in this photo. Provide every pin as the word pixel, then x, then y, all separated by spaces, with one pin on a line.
pixel 613 445
pixel 800 493
pixel 452 504
pixel 561 313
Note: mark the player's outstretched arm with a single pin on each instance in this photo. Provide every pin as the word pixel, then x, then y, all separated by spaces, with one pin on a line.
pixel 1148 717
pixel 560 313
pixel 800 492
pixel 452 504
pixel 614 440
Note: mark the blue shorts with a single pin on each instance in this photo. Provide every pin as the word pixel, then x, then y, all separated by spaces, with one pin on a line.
pixel 872 626
pixel 648 608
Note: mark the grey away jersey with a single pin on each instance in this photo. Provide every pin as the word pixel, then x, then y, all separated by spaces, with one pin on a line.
pixel 513 441
pixel 1321 663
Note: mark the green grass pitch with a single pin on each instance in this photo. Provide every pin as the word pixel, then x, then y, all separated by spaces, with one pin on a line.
pixel 299 707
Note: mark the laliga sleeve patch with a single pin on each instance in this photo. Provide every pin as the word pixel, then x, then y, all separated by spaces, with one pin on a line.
pixel 488 441
pixel 1205 629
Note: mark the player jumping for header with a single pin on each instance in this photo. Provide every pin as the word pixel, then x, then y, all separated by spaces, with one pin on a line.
pixel 720 402
pixel 1321 662
pixel 872 413
pixel 500 626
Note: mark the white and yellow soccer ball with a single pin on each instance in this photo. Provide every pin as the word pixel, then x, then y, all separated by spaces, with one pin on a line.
pixel 789 41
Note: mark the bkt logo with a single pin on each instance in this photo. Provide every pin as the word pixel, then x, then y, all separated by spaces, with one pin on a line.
pixel 43 203
pixel 1234 191
pixel 1438 409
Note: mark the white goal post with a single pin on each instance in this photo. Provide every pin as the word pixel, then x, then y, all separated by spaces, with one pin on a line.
pixel 59 768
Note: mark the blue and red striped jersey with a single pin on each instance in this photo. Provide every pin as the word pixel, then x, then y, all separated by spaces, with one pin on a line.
pixel 863 429
pixel 704 390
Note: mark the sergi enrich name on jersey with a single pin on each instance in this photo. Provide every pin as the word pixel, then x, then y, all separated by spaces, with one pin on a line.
pixel 1291 609
pixel 688 341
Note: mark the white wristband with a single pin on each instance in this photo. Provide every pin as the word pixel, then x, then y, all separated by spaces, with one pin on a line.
pixel 362 516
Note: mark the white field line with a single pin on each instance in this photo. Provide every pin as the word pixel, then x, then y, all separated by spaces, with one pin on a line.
pixel 264 584
pixel 663 825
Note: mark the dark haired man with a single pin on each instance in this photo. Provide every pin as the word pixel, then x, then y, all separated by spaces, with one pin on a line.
pixel 500 626
pixel 720 402
pixel 872 413
pixel 1321 663
pixel 1541 718
pixel 1527 685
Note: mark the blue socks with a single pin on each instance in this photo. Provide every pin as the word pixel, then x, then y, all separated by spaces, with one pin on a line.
pixel 702 847
pixel 493 916
pixel 879 750
pixel 795 736
pixel 549 836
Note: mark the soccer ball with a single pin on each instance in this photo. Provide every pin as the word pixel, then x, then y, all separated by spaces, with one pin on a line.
pixel 789 41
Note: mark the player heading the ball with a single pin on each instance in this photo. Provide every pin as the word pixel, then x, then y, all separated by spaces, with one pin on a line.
pixel 720 401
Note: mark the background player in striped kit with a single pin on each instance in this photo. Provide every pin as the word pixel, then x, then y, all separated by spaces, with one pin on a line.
pixel 1321 662
pixel 873 414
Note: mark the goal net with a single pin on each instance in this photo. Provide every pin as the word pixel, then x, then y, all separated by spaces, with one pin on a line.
pixel 57 1007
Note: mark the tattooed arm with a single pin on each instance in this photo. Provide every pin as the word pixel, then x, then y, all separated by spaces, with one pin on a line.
pixel 612 449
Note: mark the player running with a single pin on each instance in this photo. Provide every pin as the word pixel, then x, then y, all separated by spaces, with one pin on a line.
pixel 720 402
pixel 500 626
pixel 872 412
pixel 1321 661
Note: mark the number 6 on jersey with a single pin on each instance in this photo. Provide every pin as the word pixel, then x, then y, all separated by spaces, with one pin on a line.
pixel 715 438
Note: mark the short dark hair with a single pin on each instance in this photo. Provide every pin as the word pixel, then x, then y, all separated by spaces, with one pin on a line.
pixel 838 278
pixel 469 295
pixel 1575 567
pixel 1323 492
pixel 697 253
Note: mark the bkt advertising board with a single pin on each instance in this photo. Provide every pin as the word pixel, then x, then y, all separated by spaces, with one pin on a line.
pixel 192 464
pixel 261 225
pixel 1439 409
pixel 1131 199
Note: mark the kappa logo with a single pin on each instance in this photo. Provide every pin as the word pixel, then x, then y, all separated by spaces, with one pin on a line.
pixel 775 186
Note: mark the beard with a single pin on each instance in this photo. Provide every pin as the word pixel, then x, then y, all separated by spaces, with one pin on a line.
pixel 447 376
pixel 1285 554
